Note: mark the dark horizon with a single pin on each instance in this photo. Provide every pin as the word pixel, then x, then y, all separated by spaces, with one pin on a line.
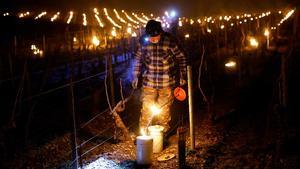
pixel 193 8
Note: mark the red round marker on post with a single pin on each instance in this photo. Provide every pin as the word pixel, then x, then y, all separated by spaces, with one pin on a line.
pixel 179 94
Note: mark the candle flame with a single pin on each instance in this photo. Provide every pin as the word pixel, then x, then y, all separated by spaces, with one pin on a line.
pixel 143 132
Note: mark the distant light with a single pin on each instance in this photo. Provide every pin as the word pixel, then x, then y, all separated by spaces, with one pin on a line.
pixel 55 16
pixel 74 39
pixel 187 36
pixel 36 50
pixel 40 15
pixel 113 32
pixel 95 41
pixel 253 42
pixel 208 30
pixel 230 64
pixel 267 32
pixel 134 34
pixel 192 21
pixel 167 13
pixel 180 23
pixel 173 14
pixel 222 26
pixel 129 30
pixel 146 39
pixel 84 23
pixel 70 17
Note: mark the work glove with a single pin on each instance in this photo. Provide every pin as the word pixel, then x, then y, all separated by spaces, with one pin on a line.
pixel 134 83
pixel 182 82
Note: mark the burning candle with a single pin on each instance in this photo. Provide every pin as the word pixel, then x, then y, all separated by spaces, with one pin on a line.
pixel 144 150
pixel 156 132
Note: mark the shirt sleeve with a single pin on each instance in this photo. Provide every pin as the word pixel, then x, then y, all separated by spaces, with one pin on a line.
pixel 138 62
pixel 180 58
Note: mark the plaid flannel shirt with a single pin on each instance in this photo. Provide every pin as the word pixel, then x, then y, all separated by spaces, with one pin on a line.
pixel 159 62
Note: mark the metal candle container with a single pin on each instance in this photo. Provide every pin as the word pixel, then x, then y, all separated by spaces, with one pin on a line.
pixel 144 150
pixel 156 132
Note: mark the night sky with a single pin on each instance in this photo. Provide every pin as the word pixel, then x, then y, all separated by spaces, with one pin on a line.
pixel 185 7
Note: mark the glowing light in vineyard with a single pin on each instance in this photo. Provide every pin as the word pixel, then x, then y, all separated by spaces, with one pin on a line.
pixel 118 16
pixel 222 27
pixel 84 19
pixel 230 64
pixel 267 32
pixel 208 30
pixel 253 42
pixel 114 32
pixel 139 19
pixel 40 15
pixel 129 18
pixel 22 15
pixel 167 13
pixel 186 36
pixel 95 41
pixel 134 34
pixel 98 18
pixel 110 19
pixel 70 17
pixel 192 21
pixel 287 16
pixel 145 16
pixel 180 23
pixel 6 14
pixel 55 16
pixel 36 50
pixel 129 30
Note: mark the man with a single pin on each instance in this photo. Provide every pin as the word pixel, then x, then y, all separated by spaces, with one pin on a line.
pixel 156 59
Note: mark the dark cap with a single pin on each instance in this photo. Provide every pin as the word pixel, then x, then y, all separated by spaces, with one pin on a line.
pixel 153 28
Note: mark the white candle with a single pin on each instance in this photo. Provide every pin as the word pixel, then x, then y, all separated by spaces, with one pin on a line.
pixel 144 150
pixel 156 132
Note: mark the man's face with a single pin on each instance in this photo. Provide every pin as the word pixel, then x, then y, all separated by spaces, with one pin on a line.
pixel 154 39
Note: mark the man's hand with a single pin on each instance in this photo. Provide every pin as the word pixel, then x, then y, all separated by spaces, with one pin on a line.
pixel 134 83
pixel 182 82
